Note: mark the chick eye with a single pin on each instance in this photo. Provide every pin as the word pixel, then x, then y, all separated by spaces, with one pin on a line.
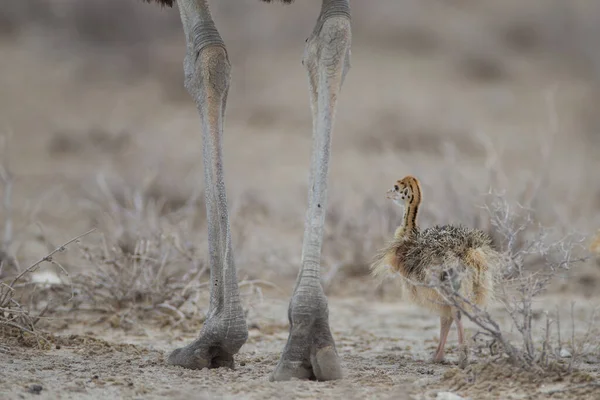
pixel 396 187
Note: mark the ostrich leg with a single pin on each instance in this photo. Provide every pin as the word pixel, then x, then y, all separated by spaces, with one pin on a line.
pixel 310 351
pixel 207 71
pixel 445 324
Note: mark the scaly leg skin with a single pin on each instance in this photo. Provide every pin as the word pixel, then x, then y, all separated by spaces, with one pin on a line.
pixel 310 351
pixel 207 74
pixel 445 324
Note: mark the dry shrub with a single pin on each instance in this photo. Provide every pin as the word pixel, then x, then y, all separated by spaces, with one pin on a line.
pixel 532 257
pixel 13 316
pixel 137 267
pixel 143 264
pixel 142 267
pixel 147 280
pixel 19 310
pixel 150 261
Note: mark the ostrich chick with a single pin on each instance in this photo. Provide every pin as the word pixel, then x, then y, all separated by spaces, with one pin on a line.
pixel 451 254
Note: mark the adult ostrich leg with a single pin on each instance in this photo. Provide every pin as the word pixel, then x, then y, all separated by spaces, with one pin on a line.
pixel 207 76
pixel 310 351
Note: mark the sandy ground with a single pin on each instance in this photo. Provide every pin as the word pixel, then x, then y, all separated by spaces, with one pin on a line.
pixel 448 91
pixel 384 348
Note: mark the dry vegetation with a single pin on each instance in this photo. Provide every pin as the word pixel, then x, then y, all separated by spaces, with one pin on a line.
pixel 533 259
pixel 139 266
pixel 491 103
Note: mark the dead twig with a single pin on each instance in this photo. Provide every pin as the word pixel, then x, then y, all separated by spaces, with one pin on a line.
pixel 48 257
pixel 13 314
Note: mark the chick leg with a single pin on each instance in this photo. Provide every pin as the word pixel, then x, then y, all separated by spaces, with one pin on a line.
pixel 445 324
pixel 463 356
pixel 459 327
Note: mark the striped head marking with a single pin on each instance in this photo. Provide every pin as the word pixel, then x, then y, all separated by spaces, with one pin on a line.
pixel 405 191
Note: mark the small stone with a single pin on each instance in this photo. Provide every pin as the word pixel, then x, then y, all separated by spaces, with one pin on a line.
pixel 448 396
pixel 564 353
pixel 35 389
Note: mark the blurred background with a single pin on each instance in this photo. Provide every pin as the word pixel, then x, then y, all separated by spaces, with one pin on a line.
pixel 467 95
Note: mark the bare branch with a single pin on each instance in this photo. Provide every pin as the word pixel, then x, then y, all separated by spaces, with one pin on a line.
pixel 48 257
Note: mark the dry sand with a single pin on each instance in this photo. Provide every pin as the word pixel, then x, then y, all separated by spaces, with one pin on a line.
pixel 384 348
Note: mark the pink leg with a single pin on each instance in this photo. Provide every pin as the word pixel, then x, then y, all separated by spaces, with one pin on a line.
pixel 461 331
pixel 445 324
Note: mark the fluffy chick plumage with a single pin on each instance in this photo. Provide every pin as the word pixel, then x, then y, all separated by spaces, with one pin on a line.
pixel 450 252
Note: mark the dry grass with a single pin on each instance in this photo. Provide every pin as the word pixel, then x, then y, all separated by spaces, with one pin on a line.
pixel 534 257
pixel 14 313
pixel 140 266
